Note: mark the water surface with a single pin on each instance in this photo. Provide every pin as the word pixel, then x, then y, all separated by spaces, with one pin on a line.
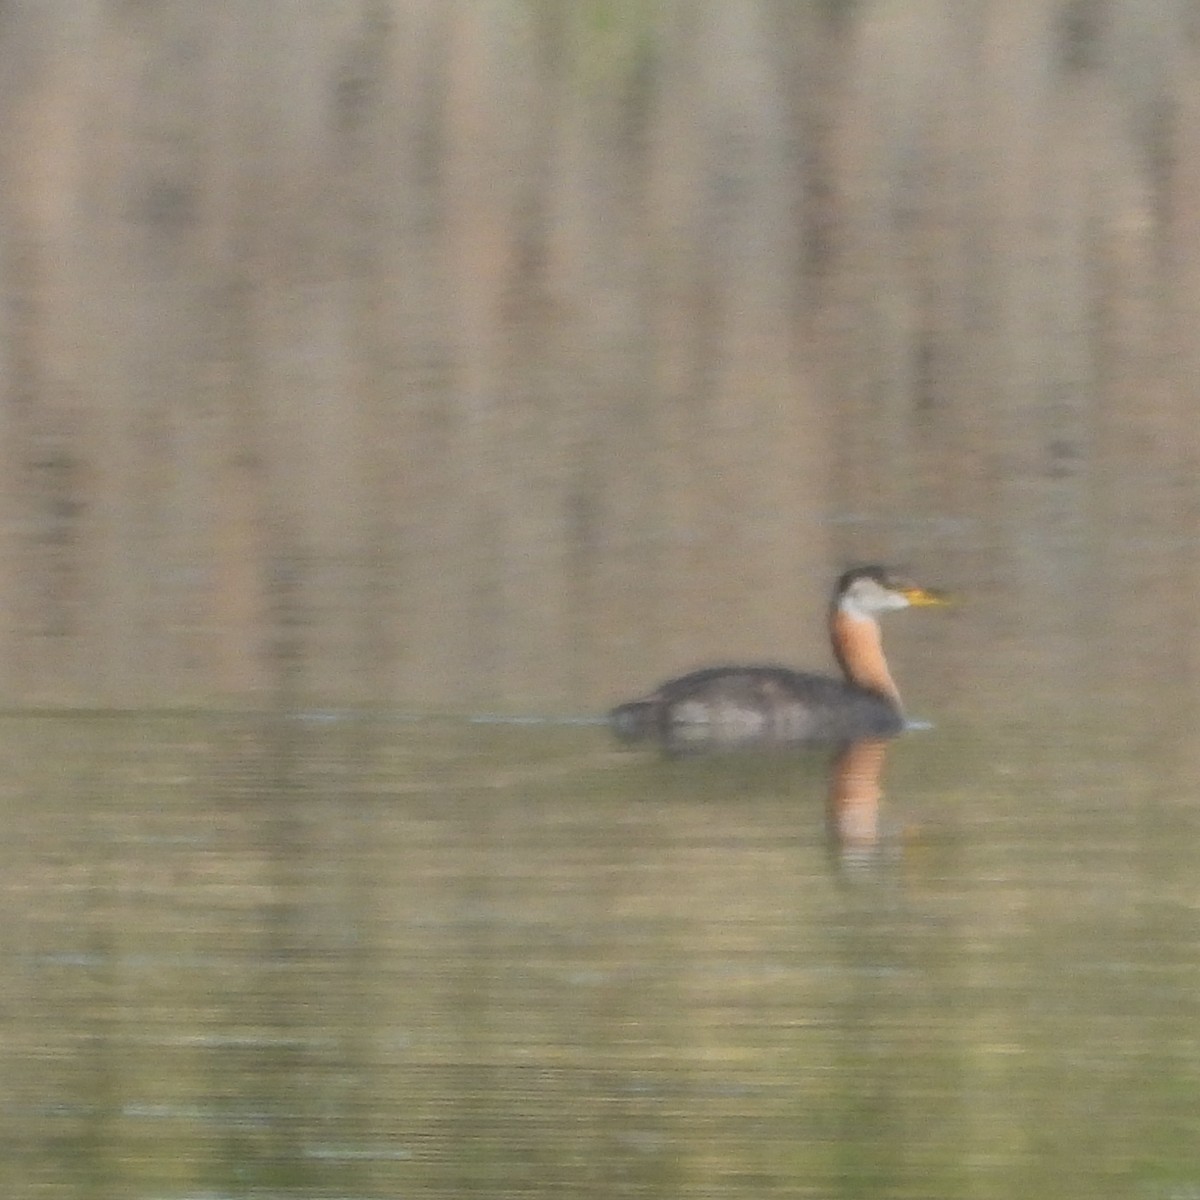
pixel 368 958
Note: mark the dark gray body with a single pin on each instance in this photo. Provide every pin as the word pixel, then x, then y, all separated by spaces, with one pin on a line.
pixel 732 707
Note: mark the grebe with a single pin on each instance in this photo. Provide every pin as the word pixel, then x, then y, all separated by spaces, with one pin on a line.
pixel 733 706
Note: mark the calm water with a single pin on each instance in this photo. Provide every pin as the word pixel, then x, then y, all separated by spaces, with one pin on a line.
pixel 359 958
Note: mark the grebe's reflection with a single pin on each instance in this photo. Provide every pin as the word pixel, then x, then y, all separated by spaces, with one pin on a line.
pixel 853 806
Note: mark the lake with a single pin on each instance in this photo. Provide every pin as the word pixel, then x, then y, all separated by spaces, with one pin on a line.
pixel 344 955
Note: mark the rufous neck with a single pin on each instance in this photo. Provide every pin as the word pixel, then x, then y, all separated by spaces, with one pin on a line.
pixel 858 647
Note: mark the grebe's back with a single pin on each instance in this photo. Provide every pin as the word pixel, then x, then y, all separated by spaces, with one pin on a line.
pixel 732 706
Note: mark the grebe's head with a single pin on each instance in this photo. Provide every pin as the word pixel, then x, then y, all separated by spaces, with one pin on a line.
pixel 869 591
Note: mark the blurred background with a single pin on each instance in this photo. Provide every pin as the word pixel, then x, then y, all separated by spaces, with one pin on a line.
pixel 378 359
pixel 443 355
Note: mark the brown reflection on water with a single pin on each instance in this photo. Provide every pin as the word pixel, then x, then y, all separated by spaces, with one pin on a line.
pixel 855 792
pixel 347 957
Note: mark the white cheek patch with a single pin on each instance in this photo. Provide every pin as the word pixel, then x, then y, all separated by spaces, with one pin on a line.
pixel 853 610
pixel 864 608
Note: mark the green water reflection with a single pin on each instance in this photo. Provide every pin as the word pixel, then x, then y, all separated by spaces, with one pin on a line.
pixel 370 959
